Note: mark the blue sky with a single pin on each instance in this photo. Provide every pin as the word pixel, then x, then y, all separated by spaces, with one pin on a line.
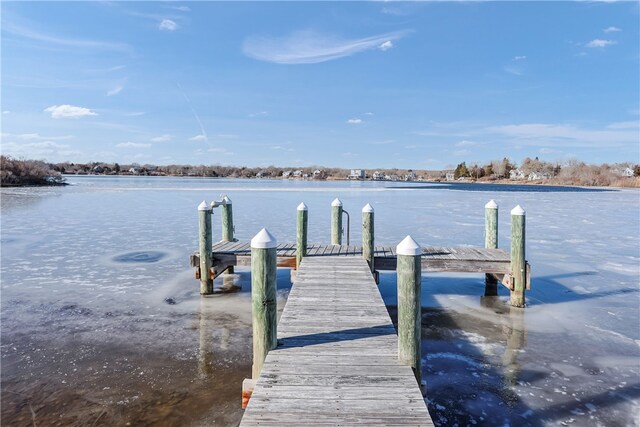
pixel 351 84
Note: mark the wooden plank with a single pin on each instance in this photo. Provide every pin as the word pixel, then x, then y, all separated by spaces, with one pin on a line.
pixel 336 363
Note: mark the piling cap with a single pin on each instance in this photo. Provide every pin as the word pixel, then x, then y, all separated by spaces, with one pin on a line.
pixel 226 200
pixel 302 207
pixel 264 240
pixel 367 208
pixel 336 202
pixel 491 205
pixel 408 247
pixel 517 211
pixel 204 206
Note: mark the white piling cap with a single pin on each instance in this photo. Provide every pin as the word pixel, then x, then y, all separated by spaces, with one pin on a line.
pixel 367 208
pixel 517 211
pixel 302 207
pixel 408 247
pixel 336 202
pixel 226 200
pixel 204 206
pixel 264 240
pixel 491 205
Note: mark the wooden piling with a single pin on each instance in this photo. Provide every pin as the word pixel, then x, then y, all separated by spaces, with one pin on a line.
pixel 490 242
pixel 409 273
pixel 336 222
pixel 263 297
pixel 205 244
pixel 368 244
pixel 301 236
pixel 227 219
pixel 518 265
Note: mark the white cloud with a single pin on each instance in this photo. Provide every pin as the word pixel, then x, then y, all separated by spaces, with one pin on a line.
pixel 116 90
pixel 625 125
pixel 612 30
pixel 48 150
pixel 168 25
pixel 259 114
pixel 67 111
pixel 519 58
pixel 198 138
pixel 133 145
pixel 386 45
pixel 220 150
pixel 354 121
pixel 162 138
pixel 461 153
pixel 35 137
pixel 309 47
pixel 563 135
pixel 466 143
pixel 179 8
pixel 596 43
pixel 514 70
pixel 368 114
pixel 6 112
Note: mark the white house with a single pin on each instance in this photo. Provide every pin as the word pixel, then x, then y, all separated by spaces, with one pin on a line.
pixel 378 176
pixel 516 174
pixel 410 176
pixel 627 172
pixel 357 174
pixel 286 174
pixel 450 176
pixel 537 176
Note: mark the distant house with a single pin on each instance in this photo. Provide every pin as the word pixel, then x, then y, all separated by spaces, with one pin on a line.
pixel 134 171
pixel 378 176
pixel 627 172
pixel 450 176
pixel 410 175
pixel 286 174
pixel 516 174
pixel 260 174
pixel 537 176
pixel 97 169
pixel 357 174
pixel 297 174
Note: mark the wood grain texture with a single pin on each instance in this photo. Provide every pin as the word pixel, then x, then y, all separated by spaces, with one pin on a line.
pixel 337 358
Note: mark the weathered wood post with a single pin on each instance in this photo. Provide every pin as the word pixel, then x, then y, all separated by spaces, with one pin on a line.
pixel 518 265
pixel 205 245
pixel 336 222
pixel 301 238
pixel 227 219
pixel 263 297
pixel 490 242
pixel 409 273
pixel 368 245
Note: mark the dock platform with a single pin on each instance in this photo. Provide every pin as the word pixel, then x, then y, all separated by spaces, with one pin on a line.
pixel 336 362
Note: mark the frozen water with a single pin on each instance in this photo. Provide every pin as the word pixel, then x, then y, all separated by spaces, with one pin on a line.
pixel 102 321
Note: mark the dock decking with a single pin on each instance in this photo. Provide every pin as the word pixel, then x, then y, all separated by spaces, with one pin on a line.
pixel 461 259
pixel 337 357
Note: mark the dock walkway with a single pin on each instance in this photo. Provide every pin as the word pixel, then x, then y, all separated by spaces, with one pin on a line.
pixel 337 357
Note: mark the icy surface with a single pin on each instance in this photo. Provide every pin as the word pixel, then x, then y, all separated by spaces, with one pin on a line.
pixel 102 321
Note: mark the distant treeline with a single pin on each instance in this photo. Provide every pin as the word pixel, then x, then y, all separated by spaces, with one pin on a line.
pixel 33 172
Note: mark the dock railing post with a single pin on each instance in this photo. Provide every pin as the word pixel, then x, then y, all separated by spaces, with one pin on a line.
pixel 227 219
pixel 490 242
pixel 301 236
pixel 518 264
pixel 205 245
pixel 368 244
pixel 409 271
pixel 336 222
pixel 263 297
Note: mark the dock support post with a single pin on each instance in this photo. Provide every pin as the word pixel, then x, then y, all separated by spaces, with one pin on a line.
pixel 518 265
pixel 409 305
pixel 205 245
pixel 227 219
pixel 336 222
pixel 301 237
pixel 263 297
pixel 490 242
pixel 368 245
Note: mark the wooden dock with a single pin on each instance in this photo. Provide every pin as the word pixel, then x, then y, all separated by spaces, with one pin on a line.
pixel 460 259
pixel 336 362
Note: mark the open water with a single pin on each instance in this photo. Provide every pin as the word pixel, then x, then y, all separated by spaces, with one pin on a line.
pixel 102 323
